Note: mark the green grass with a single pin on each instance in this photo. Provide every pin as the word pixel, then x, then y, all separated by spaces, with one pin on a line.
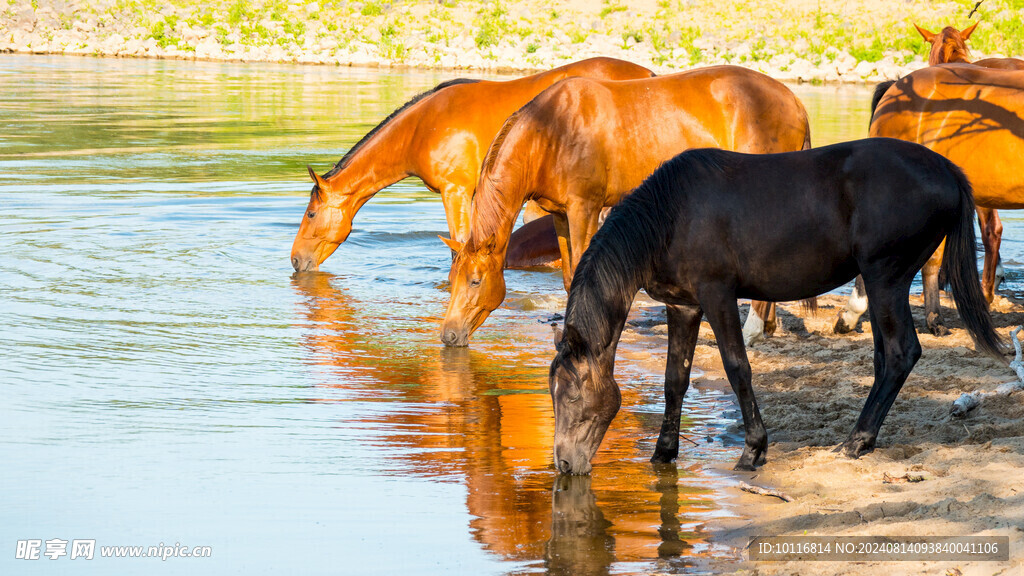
pixel 491 26
pixel 371 9
pixel 667 34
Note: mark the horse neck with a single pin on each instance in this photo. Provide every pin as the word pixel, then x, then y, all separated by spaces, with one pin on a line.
pixel 600 317
pixel 504 186
pixel 377 164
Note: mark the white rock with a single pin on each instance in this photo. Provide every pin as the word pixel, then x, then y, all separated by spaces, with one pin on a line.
pixel 864 69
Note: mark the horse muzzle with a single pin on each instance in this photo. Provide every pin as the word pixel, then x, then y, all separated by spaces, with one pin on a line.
pixel 454 337
pixel 304 264
pixel 573 462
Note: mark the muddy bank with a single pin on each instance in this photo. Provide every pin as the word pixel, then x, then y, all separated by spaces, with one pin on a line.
pixel 811 386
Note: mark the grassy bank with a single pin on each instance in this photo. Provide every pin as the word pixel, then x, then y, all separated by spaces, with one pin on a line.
pixel 826 40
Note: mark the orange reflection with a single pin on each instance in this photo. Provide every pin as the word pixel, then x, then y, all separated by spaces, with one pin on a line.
pixel 483 416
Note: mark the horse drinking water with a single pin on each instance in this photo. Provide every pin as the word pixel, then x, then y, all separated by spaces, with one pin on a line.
pixel 439 136
pixel 583 144
pixel 711 226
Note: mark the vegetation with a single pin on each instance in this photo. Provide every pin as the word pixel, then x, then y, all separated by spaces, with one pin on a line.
pixel 674 33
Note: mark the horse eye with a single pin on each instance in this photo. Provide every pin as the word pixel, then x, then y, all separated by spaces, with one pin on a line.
pixel 574 394
pixel 311 215
pixel 474 282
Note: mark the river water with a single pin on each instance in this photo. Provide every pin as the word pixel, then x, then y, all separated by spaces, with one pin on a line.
pixel 168 381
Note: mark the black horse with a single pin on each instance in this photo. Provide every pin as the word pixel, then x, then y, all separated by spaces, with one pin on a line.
pixel 711 226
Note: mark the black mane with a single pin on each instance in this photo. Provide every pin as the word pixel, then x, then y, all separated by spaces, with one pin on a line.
pixel 623 254
pixel 348 155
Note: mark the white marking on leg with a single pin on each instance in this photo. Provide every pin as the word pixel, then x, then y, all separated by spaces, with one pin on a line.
pixel 856 306
pixel 1000 274
pixel 753 328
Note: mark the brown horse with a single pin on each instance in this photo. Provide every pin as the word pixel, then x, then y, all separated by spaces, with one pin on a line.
pixel 583 144
pixel 439 136
pixel 949 47
pixel 975 117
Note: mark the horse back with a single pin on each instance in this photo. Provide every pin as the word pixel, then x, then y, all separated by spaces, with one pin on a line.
pixel 620 131
pixel 793 225
pixel 1001 63
pixel 972 115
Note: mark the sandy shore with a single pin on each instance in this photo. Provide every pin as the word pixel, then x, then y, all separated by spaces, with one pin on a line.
pixel 811 386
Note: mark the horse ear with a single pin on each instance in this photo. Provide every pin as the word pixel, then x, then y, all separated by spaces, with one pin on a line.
pixel 559 345
pixel 455 245
pixel 966 32
pixel 316 178
pixel 928 36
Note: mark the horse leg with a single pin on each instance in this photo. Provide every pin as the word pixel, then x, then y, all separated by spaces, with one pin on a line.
pixel 583 224
pixel 457 200
pixel 724 317
pixel 683 326
pixel 532 211
pixel 855 308
pixel 562 230
pixel 760 322
pixel 930 280
pixel 896 351
pixel 992 236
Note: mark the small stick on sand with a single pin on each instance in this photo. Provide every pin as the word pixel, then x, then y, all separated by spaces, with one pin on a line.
pixel 969 401
pixel 912 478
pixel 764 492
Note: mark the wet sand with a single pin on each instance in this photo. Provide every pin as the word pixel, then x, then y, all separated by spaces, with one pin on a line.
pixel 811 386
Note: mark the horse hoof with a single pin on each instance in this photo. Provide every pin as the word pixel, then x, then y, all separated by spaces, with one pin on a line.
pixel 853 449
pixel 744 467
pixel 939 330
pixel 841 327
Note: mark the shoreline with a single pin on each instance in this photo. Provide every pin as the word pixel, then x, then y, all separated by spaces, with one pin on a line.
pixel 810 386
pixel 824 41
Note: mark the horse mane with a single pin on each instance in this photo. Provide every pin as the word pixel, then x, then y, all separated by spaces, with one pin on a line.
pixel 623 254
pixel 353 150
pixel 952 46
pixel 491 207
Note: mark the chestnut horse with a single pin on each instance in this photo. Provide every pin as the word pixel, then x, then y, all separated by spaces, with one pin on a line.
pixel 583 144
pixel 975 117
pixel 439 136
pixel 949 47
pixel 710 226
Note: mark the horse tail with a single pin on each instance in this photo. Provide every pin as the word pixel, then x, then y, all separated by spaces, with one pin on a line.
pixel 961 267
pixel 880 91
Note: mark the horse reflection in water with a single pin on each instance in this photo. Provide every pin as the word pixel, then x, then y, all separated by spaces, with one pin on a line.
pixel 461 415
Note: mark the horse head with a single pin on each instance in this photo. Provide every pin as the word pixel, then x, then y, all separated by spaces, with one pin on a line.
pixel 477 287
pixel 585 398
pixel 325 225
pixel 950 45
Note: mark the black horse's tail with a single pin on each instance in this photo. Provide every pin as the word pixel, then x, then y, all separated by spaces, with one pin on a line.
pixel 961 266
pixel 880 91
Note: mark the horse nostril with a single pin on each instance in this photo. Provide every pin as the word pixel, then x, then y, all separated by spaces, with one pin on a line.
pixel 449 338
pixel 563 466
pixel 295 263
